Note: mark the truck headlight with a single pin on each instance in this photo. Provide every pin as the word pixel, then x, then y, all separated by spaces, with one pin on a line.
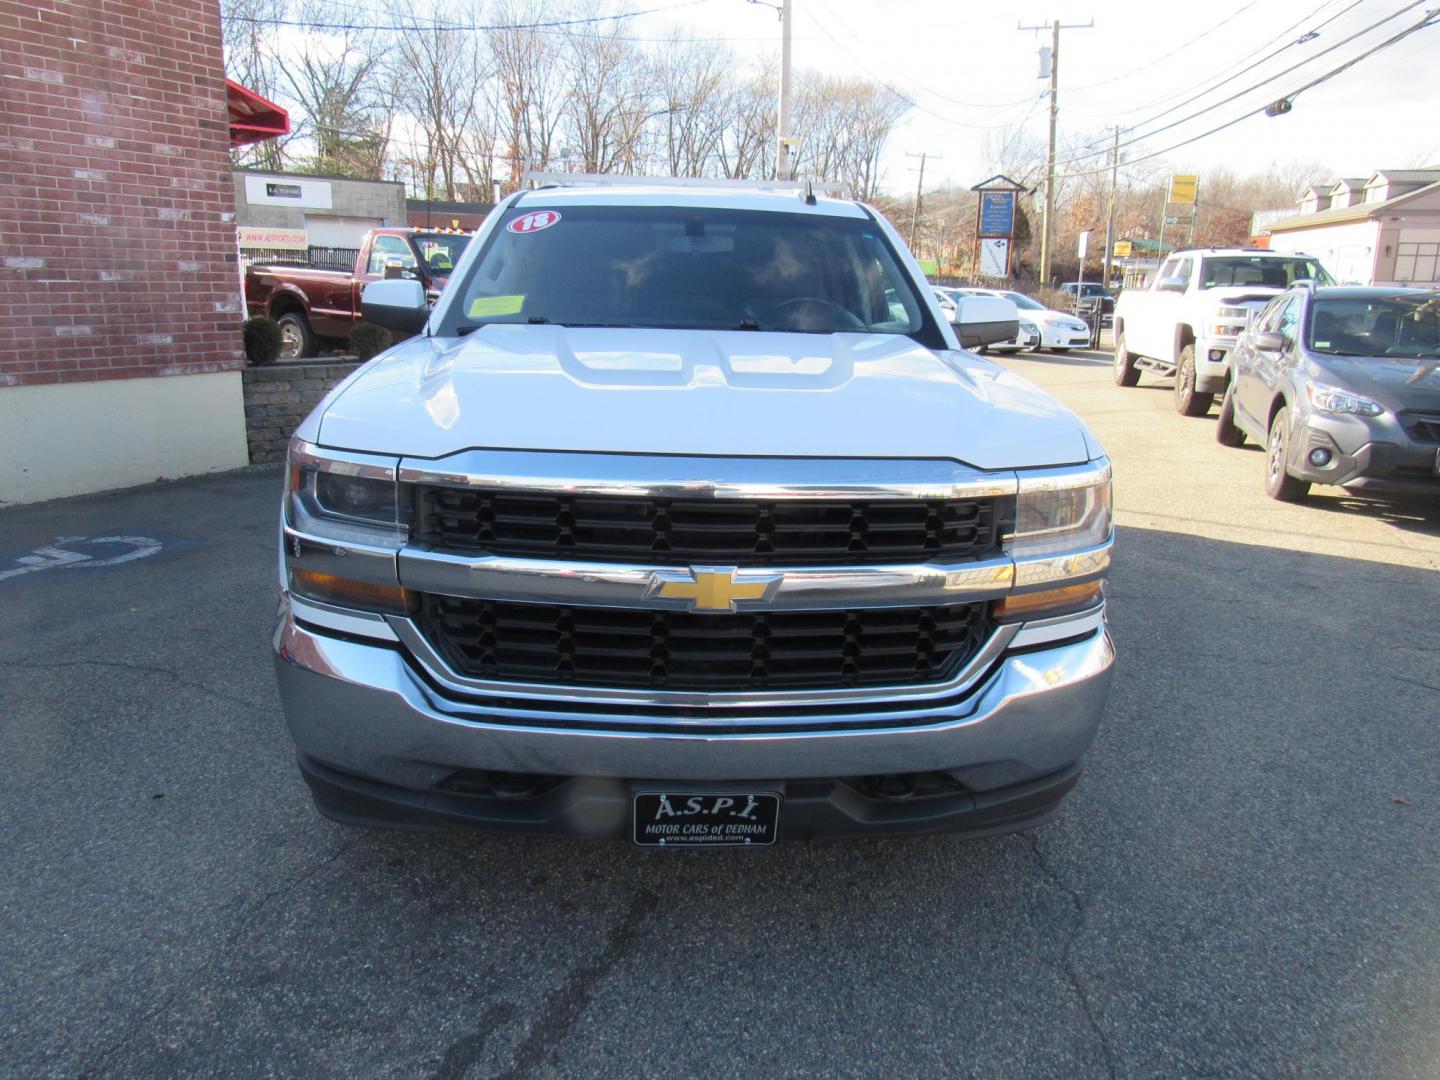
pixel 1061 542
pixel 344 522
pixel 343 496
pixel 1061 510
pixel 1328 399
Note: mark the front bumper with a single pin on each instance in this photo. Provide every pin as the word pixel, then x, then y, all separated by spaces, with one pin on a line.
pixel 373 733
pixel 1053 336
pixel 1407 468
pixel 1212 364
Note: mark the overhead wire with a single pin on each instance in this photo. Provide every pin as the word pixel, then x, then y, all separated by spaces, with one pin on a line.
pixel 1249 89
pixel 910 99
pixel 443 27
pixel 1228 73
pixel 1431 18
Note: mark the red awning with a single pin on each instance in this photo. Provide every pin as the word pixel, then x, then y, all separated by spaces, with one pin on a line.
pixel 252 118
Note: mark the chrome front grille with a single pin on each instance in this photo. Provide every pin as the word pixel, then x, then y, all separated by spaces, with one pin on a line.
pixel 674 650
pixel 679 531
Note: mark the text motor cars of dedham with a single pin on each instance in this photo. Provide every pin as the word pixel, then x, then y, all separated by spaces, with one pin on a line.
pixel 684 518
pixel 1340 386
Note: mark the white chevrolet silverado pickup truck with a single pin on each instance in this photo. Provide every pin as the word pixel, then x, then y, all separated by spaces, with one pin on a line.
pixel 684 518
pixel 1186 323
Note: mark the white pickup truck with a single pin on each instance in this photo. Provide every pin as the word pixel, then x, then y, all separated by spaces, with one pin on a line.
pixel 684 517
pixel 1185 324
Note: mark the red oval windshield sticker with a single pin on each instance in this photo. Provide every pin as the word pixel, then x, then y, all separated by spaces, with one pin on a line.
pixel 534 221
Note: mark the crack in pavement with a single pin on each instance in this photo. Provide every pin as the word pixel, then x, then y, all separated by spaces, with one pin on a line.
pixel 466 1050
pixel 1065 965
pixel 152 669
pixel 559 1012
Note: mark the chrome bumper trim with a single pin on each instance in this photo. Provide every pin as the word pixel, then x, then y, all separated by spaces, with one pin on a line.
pixel 438 671
pixel 707 478
pixel 548 581
pixel 359 708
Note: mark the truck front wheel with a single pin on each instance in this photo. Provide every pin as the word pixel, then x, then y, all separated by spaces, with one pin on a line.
pixel 297 341
pixel 1188 400
pixel 1125 371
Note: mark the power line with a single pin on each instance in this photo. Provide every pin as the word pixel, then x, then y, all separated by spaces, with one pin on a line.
pixel 908 99
pixel 1166 56
pixel 440 27
pixel 1430 19
pixel 1241 93
pixel 1226 74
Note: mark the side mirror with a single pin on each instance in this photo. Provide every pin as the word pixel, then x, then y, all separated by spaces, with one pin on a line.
pixel 395 305
pixel 1170 284
pixel 984 320
pixel 1270 342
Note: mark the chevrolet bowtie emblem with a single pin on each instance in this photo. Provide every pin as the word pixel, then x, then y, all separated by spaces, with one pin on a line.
pixel 712 588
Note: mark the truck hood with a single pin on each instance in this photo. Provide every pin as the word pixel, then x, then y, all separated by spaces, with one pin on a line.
pixel 729 393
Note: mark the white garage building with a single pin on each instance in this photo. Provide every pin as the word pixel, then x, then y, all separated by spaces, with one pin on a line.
pixel 1380 231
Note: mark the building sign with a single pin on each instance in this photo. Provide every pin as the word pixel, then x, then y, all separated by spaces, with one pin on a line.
pixel 287 191
pixel 995 258
pixel 1182 188
pixel 997 213
pixel 258 236
pixel 1122 249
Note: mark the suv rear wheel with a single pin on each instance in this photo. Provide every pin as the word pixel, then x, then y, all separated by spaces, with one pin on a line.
pixel 1279 484
pixel 1188 400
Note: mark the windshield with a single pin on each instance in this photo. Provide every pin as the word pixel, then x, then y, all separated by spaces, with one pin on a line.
pixel 1267 271
pixel 1024 302
pixel 693 268
pixel 441 251
pixel 1376 326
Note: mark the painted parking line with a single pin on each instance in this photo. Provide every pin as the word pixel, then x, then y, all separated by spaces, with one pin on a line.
pixel 62 554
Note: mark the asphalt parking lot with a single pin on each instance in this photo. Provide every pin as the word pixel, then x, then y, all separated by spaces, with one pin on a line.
pixel 1245 883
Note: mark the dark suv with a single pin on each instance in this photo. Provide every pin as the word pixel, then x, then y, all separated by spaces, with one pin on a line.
pixel 1341 386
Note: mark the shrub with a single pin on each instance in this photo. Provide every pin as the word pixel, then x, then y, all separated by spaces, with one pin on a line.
pixel 369 340
pixel 262 340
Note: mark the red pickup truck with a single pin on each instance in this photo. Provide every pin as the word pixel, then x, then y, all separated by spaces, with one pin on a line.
pixel 313 303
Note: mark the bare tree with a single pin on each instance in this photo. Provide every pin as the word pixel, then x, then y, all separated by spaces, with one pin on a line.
pixel 527 93
pixel 696 94
pixel 251 61
pixel 345 111
pixel 609 99
pixel 438 76
pixel 748 149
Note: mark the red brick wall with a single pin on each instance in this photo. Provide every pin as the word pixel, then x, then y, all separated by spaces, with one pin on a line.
pixel 117 249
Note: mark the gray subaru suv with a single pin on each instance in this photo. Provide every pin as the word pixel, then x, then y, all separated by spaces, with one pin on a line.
pixel 1341 386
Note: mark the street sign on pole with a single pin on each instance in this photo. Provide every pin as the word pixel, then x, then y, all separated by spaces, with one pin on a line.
pixel 1182 188
pixel 997 213
pixel 1084 245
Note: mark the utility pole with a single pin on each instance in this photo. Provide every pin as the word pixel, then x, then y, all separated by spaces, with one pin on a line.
pixel 1048 226
pixel 919 188
pixel 782 148
pixel 1110 212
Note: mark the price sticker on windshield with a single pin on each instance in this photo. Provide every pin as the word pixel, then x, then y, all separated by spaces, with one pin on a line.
pixel 534 221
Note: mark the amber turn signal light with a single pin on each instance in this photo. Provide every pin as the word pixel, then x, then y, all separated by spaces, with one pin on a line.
pixel 348 593
pixel 1040 605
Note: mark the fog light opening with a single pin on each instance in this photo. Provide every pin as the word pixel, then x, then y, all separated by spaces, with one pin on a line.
pixel 1319 457
pixel 1217 356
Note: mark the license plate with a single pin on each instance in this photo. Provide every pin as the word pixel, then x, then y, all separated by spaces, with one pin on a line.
pixel 718 819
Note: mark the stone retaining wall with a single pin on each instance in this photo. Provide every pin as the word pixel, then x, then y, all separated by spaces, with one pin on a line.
pixel 278 397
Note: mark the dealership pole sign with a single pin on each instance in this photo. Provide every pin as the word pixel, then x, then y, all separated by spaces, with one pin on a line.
pixel 995 226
